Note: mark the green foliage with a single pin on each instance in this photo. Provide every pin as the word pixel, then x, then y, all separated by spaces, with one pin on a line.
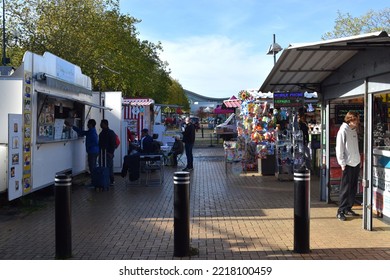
pixel 177 96
pixel 95 36
pixel 346 25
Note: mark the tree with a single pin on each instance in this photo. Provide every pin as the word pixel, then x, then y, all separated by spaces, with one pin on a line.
pixel 346 25
pixel 177 96
pixel 201 113
pixel 95 36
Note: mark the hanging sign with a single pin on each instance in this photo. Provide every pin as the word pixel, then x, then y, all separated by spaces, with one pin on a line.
pixel 288 99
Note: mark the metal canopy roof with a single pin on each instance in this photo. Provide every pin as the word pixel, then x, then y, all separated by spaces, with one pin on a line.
pixel 306 66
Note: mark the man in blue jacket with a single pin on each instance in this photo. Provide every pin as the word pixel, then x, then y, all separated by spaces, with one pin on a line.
pixel 91 143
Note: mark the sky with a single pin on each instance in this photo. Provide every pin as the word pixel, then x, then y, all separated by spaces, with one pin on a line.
pixel 216 48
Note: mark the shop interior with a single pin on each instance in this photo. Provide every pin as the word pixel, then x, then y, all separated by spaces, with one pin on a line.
pixel 53 113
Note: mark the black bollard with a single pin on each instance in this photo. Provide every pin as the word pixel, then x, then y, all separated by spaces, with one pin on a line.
pixel 302 211
pixel 202 132
pixel 62 184
pixel 181 222
pixel 211 140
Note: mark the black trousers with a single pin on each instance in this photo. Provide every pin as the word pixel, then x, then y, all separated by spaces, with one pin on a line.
pixel 131 164
pixel 348 187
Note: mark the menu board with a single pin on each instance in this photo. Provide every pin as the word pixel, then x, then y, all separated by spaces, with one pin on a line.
pixel 58 128
pixel 342 109
pixel 288 99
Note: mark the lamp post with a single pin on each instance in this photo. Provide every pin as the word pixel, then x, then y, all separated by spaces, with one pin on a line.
pixel 5 60
pixel 274 49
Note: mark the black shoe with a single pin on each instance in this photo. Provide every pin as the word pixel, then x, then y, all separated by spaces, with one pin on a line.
pixel 341 216
pixel 351 213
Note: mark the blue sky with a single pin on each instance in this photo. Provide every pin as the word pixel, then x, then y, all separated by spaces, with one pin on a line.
pixel 218 47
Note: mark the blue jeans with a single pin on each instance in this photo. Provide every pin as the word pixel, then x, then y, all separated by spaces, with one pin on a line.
pixel 190 159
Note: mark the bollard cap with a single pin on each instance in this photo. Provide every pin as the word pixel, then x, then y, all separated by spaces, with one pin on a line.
pixel 181 177
pixel 182 174
pixel 62 180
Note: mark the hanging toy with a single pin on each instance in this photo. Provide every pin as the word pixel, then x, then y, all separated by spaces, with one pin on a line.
pixel 265 108
pixel 243 95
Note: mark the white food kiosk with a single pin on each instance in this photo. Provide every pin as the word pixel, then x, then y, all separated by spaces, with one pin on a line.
pixel 36 100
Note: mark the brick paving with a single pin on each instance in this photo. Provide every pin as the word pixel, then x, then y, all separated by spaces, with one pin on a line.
pixel 232 217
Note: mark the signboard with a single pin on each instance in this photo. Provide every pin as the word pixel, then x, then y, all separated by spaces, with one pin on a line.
pixel 288 99
pixel 15 156
pixel 342 109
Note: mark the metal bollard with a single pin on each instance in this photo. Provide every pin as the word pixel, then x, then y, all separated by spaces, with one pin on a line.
pixel 62 184
pixel 211 140
pixel 302 211
pixel 202 132
pixel 181 222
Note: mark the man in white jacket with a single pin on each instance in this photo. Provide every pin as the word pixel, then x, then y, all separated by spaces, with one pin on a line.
pixel 348 157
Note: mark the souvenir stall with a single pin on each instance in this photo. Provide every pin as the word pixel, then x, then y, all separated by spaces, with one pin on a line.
pixel 256 132
pixel 265 131
pixel 291 152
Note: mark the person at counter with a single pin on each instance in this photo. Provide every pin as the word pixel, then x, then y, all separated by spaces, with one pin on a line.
pixel 348 157
pixel 91 143
pixel 107 144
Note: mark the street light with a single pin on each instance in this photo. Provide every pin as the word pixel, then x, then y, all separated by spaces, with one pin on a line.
pixel 5 59
pixel 274 49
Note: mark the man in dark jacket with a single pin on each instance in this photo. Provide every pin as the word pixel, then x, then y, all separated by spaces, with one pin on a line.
pixel 189 140
pixel 146 143
pixel 177 149
pixel 91 143
pixel 107 144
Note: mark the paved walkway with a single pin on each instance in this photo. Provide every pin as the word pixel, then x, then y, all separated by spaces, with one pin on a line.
pixel 232 217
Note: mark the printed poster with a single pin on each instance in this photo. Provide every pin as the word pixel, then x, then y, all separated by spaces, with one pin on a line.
pixel 15 152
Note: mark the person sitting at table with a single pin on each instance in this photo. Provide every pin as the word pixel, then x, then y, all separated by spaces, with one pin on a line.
pixel 177 149
pixel 131 164
pixel 146 143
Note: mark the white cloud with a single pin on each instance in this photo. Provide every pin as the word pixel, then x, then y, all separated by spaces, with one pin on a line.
pixel 215 65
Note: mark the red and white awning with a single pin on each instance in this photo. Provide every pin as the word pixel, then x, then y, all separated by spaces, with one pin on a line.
pixel 138 101
pixel 232 103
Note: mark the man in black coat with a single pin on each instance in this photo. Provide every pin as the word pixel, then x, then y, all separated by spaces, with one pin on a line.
pixel 189 140
pixel 107 144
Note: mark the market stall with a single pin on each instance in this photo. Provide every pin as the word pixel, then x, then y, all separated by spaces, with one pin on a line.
pixel 266 127
pixel 37 99
pixel 139 114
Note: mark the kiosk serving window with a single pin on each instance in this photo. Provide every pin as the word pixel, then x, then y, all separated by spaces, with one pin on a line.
pixel 53 112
